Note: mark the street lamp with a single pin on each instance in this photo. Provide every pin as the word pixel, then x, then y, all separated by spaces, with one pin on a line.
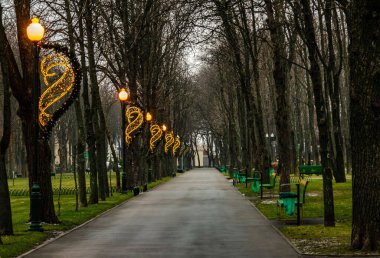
pixel 164 128
pixel 123 97
pixel 35 33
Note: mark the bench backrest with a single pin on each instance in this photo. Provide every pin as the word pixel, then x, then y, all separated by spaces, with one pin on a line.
pixel 310 169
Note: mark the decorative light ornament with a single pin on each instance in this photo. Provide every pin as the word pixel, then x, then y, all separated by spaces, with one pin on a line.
pixel 169 140
pixel 148 117
pixel 35 31
pixel 58 77
pixel 156 134
pixel 177 144
pixel 62 75
pixel 135 119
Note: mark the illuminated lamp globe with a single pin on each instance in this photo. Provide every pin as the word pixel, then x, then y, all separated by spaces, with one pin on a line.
pixel 123 95
pixel 164 128
pixel 35 31
pixel 148 116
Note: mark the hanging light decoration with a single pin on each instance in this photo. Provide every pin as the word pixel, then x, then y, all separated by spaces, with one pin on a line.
pixel 58 85
pixel 156 134
pixel 62 75
pixel 135 119
pixel 169 140
pixel 177 144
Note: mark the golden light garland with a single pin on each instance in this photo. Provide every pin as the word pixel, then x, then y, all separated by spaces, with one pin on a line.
pixel 177 144
pixel 59 78
pixel 156 132
pixel 169 140
pixel 135 119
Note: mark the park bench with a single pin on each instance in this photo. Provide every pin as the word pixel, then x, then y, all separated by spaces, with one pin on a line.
pixel 235 176
pixel 242 176
pixel 258 185
pixel 239 176
pixel 290 200
pixel 255 181
pixel 310 170
pixel 221 168
pixel 270 186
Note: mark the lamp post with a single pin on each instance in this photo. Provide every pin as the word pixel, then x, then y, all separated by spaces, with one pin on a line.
pixel 148 118
pixel 123 97
pixel 268 146
pixel 273 144
pixel 35 33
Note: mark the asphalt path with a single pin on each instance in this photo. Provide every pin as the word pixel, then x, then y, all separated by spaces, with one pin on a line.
pixel 197 214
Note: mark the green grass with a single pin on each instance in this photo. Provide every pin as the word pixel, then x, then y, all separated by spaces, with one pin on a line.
pixel 23 240
pixel 313 239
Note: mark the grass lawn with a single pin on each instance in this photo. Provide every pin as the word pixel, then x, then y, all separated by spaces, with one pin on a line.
pixel 312 238
pixel 23 240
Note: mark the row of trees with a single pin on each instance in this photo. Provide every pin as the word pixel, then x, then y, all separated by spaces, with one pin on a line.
pixel 138 45
pixel 300 69
pixel 305 70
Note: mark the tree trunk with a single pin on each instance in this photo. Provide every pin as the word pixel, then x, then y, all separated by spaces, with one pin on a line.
pixel 115 160
pixel 280 75
pixel 316 79
pixel 88 115
pixel 6 227
pixel 364 56
pixel 80 144
pixel 333 81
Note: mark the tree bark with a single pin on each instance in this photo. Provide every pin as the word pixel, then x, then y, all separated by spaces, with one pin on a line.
pixel 364 58
pixel 280 75
pixel 6 227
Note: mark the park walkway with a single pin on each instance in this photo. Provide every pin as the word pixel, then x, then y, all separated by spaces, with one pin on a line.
pixel 198 214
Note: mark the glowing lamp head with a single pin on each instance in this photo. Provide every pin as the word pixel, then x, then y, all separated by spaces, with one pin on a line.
pixel 123 95
pixel 148 116
pixel 35 31
pixel 164 128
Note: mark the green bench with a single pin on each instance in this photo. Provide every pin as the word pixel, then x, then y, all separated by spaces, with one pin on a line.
pixel 290 200
pixel 271 185
pixel 310 170
pixel 258 185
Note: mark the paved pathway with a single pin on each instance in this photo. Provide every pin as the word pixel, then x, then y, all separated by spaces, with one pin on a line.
pixel 198 214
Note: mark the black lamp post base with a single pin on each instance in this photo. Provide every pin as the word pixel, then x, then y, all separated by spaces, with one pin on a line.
pixel 136 191
pixel 36 226
pixel 35 208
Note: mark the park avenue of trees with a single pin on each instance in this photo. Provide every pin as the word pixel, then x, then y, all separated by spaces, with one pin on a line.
pixel 303 72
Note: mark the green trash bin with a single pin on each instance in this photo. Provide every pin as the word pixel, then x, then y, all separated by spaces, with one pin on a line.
pixel 288 200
